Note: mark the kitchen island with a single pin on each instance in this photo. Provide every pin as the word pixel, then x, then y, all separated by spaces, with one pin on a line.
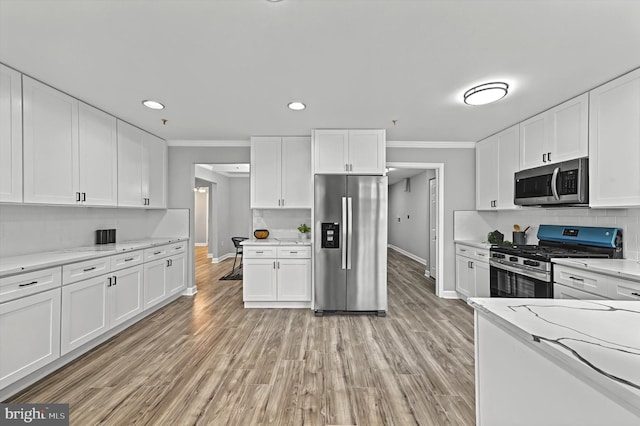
pixel 557 362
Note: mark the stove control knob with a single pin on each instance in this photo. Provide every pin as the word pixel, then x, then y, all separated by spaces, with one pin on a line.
pixel 513 259
pixel 498 255
pixel 531 263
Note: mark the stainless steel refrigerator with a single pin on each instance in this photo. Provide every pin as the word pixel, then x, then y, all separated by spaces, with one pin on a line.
pixel 350 248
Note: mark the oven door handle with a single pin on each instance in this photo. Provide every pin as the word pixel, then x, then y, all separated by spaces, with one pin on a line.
pixel 554 183
pixel 538 275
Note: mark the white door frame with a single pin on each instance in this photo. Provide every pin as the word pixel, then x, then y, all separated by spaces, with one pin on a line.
pixel 439 168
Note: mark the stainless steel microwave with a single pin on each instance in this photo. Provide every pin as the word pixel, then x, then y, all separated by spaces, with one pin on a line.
pixel 554 184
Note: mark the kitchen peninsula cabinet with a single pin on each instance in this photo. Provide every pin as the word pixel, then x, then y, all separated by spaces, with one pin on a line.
pixel 281 172
pixel 496 163
pixel 355 151
pixel 558 134
pixel 10 135
pixel 614 143
pixel 142 168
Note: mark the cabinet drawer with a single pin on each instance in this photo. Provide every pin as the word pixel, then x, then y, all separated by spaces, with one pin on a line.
pixel 177 248
pixel 582 280
pixel 295 252
pixel 620 289
pixel 482 255
pixel 464 250
pixel 87 269
pixel 125 260
pixel 258 252
pixel 22 285
pixel 154 253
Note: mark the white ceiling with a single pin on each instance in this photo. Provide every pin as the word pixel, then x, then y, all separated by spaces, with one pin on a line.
pixel 227 69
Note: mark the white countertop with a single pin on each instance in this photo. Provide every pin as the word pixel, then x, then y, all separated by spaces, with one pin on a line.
pixel 597 339
pixel 477 244
pixel 622 268
pixel 34 261
pixel 275 242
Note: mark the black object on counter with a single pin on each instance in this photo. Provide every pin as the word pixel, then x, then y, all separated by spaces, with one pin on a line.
pixel 105 236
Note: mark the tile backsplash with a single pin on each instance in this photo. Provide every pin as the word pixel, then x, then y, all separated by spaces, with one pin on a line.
pixel 31 229
pixel 476 225
pixel 281 223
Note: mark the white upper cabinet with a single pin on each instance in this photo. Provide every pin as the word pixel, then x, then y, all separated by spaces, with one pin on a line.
pixel 349 152
pixel 496 164
pixel 51 172
pixel 98 157
pixel 142 168
pixel 614 143
pixel 10 135
pixel 556 135
pixel 281 172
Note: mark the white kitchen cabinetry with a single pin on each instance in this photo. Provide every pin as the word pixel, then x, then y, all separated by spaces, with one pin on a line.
pixel 472 271
pixel 176 274
pixel 614 143
pixel 10 135
pixel 142 168
pixel 29 334
pixel 166 274
pixel 98 157
pixel 563 292
pixel 277 276
pixel 51 172
pixel 281 172
pixel 581 283
pixel 154 282
pixel 558 134
pixel 496 163
pixel 349 152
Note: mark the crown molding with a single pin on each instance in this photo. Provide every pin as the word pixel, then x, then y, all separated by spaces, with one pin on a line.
pixel 431 144
pixel 208 144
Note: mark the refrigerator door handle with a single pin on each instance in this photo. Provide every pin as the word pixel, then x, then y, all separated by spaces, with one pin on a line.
pixel 349 230
pixel 344 233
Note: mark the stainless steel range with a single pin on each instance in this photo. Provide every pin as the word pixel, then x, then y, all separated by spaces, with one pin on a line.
pixel 527 271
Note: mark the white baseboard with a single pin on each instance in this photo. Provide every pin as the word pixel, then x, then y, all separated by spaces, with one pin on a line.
pixel 427 274
pixel 221 258
pixel 406 253
pixel 276 305
pixel 201 244
pixel 209 255
pixel 449 294
pixel 190 291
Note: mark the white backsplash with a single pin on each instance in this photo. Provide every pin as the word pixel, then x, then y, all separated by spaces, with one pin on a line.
pixel 281 223
pixel 475 225
pixel 31 229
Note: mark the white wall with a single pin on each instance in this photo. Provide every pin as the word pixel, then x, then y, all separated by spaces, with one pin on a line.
pixel 201 216
pixel 31 228
pixel 476 225
pixel 409 216
pixel 240 218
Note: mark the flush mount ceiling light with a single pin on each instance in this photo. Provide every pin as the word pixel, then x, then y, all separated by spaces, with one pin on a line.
pixel 296 106
pixel 486 93
pixel 152 104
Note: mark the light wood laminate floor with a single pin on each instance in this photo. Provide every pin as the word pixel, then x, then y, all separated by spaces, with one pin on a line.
pixel 206 360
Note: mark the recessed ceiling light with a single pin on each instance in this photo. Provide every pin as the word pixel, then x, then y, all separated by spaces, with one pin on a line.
pixel 486 93
pixel 152 104
pixel 296 106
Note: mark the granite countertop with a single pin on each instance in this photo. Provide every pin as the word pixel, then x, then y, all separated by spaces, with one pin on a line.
pixel 596 339
pixel 275 242
pixel 621 268
pixel 34 261
pixel 477 244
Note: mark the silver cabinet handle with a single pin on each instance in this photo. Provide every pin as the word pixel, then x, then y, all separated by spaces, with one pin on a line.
pixel 463 250
pixel 89 269
pixel 278 202
pixel 156 253
pixel 278 265
pixel 293 252
pixel 274 265
pixel 28 284
pixel 346 167
pixel 349 230
pixel 481 254
pixel 350 167
pixel 259 252
pixel 128 259
pixel 576 278
pixel 283 202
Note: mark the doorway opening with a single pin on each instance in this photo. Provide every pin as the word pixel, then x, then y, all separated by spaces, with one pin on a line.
pixel 415 215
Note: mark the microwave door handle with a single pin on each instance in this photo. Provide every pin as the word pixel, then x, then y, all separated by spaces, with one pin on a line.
pixel 554 183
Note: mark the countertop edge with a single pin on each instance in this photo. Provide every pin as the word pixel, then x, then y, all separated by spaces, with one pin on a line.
pixel 82 256
pixel 617 393
pixel 577 263
pixel 276 242
pixel 472 243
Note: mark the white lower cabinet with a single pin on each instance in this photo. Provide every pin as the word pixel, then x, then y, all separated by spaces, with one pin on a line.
pixel 92 307
pixel 29 334
pixel 472 271
pixel 176 274
pixel 563 292
pixel 164 278
pixel 282 278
